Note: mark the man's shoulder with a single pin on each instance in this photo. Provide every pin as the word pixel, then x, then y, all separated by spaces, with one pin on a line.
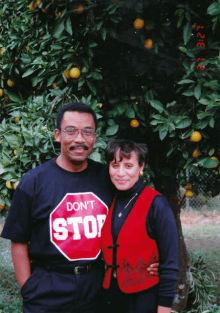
pixel 41 169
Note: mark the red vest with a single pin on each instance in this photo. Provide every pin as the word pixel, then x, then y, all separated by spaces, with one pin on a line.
pixel 136 250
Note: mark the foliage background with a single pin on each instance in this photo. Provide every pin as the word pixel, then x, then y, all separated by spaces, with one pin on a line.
pixel 164 88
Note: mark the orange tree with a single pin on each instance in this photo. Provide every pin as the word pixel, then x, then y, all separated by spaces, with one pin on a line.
pixel 150 70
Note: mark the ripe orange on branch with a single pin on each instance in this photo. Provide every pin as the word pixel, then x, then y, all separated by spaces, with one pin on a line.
pixel 189 194
pixel 138 23
pixel 195 136
pixel 54 84
pixel 134 123
pixel 196 153
pixel 74 72
pixel 1 92
pixel 188 187
pixel 80 9
pixel 148 43
pixel 8 184
pixel 66 74
pixel 10 83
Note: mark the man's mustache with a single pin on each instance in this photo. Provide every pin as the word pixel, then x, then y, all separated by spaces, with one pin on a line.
pixel 79 146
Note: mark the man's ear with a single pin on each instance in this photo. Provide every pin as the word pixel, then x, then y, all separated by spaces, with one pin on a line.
pixel 57 135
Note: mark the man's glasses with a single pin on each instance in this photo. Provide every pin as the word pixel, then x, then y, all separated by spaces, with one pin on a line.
pixel 72 132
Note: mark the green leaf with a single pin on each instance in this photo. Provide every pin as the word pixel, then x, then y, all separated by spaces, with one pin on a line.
pixel 210 163
pixel 157 105
pixel 58 28
pixel 29 72
pixel 162 134
pixel 187 32
pixel 212 122
pixel 93 44
pixel 130 112
pixel 112 130
pixel 188 93
pixel 204 101
pixel 185 81
pixel 15 97
pixel 183 49
pixel 95 156
pixel 92 87
pixel 185 154
pixel 214 9
pixel 184 123
pixel 14 141
pixel 68 26
pixel 197 92
pixel 50 80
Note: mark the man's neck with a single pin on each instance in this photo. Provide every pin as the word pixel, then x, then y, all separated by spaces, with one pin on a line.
pixel 71 167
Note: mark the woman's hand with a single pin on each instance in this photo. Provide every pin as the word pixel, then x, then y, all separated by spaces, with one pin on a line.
pixel 153 269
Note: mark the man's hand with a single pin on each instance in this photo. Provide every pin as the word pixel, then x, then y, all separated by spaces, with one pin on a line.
pixel 154 269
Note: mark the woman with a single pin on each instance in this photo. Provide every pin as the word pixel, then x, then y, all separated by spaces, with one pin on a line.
pixel 139 230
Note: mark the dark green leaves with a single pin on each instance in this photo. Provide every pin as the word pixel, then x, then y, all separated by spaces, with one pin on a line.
pixel 187 32
pixel 214 9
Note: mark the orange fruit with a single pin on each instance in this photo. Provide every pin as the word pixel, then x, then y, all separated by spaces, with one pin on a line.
pixel 2 51
pixel 215 158
pixel 80 9
pixel 189 194
pixel 38 2
pixel 196 153
pixel 31 7
pixel 1 92
pixel 16 119
pixel 8 184
pixel 101 105
pixel 74 72
pixel 66 74
pixel 10 83
pixel 188 187
pixel 148 43
pixel 2 207
pixel 195 136
pixel 138 23
pixel 28 48
pixel 54 85
pixel 134 123
pixel 57 14
pixel 15 184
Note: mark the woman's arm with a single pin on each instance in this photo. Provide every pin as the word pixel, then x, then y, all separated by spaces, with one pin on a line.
pixel 163 309
pixel 21 262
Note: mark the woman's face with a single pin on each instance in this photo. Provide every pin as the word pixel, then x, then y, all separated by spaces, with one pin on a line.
pixel 125 173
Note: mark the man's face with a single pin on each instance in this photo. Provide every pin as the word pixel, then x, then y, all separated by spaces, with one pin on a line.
pixel 76 149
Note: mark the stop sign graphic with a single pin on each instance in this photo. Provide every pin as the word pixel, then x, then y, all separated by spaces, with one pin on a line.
pixel 75 225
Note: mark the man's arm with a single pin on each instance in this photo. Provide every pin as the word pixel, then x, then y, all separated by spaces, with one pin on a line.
pixel 154 269
pixel 19 252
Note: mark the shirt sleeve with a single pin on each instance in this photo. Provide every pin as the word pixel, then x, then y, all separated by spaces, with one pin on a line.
pixel 17 226
pixel 161 226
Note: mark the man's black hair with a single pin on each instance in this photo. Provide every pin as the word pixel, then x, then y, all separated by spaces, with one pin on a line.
pixel 76 107
pixel 125 149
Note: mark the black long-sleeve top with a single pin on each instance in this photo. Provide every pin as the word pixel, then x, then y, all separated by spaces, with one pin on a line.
pixel 160 226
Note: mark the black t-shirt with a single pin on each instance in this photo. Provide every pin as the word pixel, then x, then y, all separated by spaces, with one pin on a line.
pixel 43 208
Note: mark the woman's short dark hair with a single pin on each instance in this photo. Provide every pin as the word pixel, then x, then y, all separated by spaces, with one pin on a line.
pixel 76 107
pixel 126 147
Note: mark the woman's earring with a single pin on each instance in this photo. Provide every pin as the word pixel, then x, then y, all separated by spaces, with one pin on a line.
pixel 141 173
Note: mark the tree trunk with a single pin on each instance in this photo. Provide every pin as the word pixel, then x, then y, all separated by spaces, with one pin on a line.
pixel 172 195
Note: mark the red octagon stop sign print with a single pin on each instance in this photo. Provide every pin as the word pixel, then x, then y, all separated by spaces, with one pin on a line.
pixel 75 225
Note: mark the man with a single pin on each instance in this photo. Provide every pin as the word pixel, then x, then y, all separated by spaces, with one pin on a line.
pixel 55 221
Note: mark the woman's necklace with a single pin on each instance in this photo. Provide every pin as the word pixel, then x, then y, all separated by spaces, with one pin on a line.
pixel 120 214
